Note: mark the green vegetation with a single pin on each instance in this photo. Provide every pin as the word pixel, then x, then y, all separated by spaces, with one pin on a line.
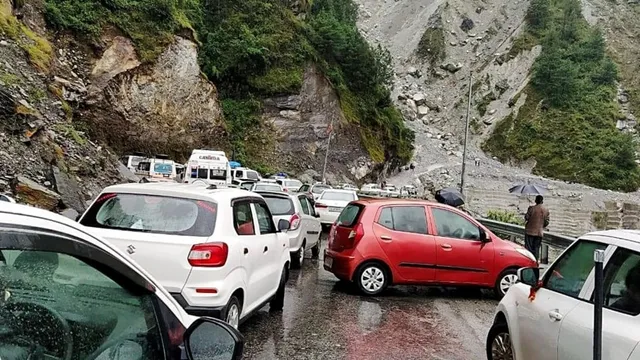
pixel 524 42
pixel 68 130
pixel 431 45
pixel 257 48
pixel 568 121
pixel 37 47
pixel 505 216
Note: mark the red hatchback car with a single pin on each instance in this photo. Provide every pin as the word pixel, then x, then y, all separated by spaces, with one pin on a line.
pixel 377 243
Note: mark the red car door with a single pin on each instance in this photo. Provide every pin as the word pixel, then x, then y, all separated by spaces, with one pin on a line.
pixel 461 257
pixel 403 235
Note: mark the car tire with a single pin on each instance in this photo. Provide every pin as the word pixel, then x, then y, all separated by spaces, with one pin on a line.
pixel 277 303
pixel 505 280
pixel 315 251
pixel 232 312
pixel 297 258
pixel 372 278
pixel 499 346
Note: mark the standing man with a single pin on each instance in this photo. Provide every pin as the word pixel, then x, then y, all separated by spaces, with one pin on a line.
pixel 537 218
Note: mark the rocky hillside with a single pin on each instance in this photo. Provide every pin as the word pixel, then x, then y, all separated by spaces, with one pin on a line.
pixel 521 131
pixel 83 82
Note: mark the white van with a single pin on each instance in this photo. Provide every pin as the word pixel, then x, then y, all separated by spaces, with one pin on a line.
pixel 161 169
pixel 209 167
pixel 245 174
pixel 132 161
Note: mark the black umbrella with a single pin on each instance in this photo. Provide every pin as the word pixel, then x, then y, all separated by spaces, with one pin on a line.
pixel 450 196
pixel 527 190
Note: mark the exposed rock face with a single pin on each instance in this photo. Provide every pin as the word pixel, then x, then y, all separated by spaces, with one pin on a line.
pixel 303 123
pixel 166 107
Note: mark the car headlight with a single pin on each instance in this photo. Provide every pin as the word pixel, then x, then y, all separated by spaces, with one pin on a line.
pixel 526 253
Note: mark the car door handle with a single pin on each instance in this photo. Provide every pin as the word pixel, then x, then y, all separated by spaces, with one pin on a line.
pixel 266 249
pixel 385 237
pixel 246 251
pixel 554 315
pixel 445 246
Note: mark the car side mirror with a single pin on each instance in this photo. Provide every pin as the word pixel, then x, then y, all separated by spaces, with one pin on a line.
pixel 529 276
pixel 209 338
pixel 483 236
pixel 283 225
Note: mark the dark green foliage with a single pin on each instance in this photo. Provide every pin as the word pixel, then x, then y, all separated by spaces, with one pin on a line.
pixel 431 45
pixel 568 121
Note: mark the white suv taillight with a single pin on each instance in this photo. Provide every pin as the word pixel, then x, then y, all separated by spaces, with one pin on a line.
pixel 294 222
pixel 208 255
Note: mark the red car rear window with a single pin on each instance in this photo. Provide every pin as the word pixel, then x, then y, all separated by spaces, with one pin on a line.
pixel 350 215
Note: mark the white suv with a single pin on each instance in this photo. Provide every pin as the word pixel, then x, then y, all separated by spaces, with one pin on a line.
pixel 557 321
pixel 217 251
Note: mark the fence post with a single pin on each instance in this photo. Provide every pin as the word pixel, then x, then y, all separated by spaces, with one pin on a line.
pixel 544 256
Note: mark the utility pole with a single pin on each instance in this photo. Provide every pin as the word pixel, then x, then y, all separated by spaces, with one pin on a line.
pixel 466 136
pixel 598 257
pixel 326 154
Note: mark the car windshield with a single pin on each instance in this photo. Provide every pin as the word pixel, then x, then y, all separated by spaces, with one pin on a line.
pixel 349 215
pixel 218 174
pixel 163 168
pixel 318 189
pixel 156 214
pixel 279 205
pixel 267 187
pixel 338 196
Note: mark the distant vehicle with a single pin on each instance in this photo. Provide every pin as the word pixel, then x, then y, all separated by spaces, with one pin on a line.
pixel 349 187
pixel 209 167
pixel 244 174
pixel 331 203
pixel 245 185
pixel 162 169
pixel 132 161
pixel 376 243
pixel 60 277
pixel 290 185
pixel 314 191
pixel 371 190
pixel 304 230
pixel 217 252
pixel 557 321
pixel 266 186
pixel 391 191
pixel 408 191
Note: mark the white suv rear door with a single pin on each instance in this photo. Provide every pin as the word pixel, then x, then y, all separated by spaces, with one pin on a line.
pixel 252 248
pixel 273 248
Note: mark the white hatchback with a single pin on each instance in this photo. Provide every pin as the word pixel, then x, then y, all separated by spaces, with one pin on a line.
pixel 331 202
pixel 217 252
pixel 557 321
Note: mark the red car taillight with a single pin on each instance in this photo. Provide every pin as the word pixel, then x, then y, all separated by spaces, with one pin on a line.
pixel 319 205
pixel 208 255
pixel 354 237
pixel 294 222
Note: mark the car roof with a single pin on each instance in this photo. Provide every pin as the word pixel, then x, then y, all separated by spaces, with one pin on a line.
pixel 387 201
pixel 281 194
pixel 340 191
pixel 189 191
pixel 620 234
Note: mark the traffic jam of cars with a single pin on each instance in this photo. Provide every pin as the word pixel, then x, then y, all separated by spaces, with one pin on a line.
pixel 171 269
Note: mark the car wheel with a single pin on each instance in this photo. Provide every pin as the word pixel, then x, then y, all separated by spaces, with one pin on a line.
pixel 506 279
pixel 277 303
pixel 297 258
pixel 232 312
pixel 499 345
pixel 315 251
pixel 372 279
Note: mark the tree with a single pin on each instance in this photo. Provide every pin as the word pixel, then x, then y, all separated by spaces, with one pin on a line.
pixel 557 78
pixel 538 14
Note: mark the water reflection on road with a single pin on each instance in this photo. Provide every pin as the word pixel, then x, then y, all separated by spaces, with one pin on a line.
pixel 325 319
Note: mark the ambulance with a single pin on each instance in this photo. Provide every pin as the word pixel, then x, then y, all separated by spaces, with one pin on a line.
pixel 209 167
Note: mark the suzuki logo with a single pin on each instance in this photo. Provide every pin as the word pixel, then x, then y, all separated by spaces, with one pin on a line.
pixel 131 249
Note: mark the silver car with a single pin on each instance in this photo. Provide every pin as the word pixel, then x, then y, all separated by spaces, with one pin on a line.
pixel 305 230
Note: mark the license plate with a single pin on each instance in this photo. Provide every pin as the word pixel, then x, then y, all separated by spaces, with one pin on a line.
pixel 335 209
pixel 328 262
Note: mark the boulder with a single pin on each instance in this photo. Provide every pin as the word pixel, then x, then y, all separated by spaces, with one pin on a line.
pixel 451 67
pixel 69 190
pixel 70 214
pixel 423 110
pixel 502 86
pixel 488 121
pixel 127 174
pixel 623 98
pixel 419 98
pixel 492 111
pixel 291 102
pixel 30 192
pixel 412 105
pixel 467 24
pixel 120 57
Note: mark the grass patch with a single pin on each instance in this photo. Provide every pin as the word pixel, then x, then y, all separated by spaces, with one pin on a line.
pixel 525 42
pixel 37 47
pixel 37 95
pixel 9 79
pixel 505 216
pixel 69 131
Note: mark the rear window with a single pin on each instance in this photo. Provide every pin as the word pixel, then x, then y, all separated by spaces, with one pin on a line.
pixel 279 205
pixel 349 215
pixel 318 189
pixel 218 174
pixel 154 214
pixel 163 168
pixel 337 195
pixel 267 187
pixel 293 183
pixel 252 175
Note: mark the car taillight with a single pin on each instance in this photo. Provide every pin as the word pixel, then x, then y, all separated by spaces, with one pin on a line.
pixel 295 222
pixel 106 197
pixel 354 236
pixel 319 205
pixel 208 255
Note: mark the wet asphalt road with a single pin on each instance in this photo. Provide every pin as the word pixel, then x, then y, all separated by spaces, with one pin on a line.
pixel 324 319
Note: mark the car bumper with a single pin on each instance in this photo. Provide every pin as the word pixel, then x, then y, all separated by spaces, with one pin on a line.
pixel 213 311
pixel 341 265
pixel 295 240
pixel 327 217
